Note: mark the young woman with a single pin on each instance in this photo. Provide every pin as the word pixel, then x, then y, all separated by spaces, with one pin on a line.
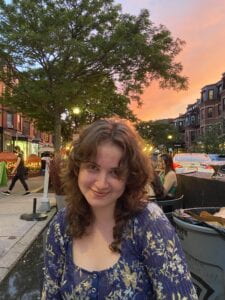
pixel 108 243
pixel 168 176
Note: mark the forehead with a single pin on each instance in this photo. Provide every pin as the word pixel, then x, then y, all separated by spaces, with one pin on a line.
pixel 108 154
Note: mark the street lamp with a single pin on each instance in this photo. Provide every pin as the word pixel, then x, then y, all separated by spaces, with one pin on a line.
pixel 170 137
pixel 76 110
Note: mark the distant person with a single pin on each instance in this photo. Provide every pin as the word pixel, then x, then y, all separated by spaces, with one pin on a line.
pixel 154 158
pixel 168 176
pixel 109 242
pixel 18 172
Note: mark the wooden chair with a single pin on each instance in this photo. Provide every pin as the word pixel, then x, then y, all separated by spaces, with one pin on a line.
pixel 168 206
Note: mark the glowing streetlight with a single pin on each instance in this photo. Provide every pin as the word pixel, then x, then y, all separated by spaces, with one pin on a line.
pixel 169 137
pixel 76 110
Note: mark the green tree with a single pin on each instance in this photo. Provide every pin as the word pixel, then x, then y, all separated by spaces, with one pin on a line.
pixel 55 54
pixel 159 133
pixel 211 142
pixel 94 109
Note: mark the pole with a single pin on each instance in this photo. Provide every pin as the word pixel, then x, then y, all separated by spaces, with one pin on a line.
pixel 34 216
pixel 45 204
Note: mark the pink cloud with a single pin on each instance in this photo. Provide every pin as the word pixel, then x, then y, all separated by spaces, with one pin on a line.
pixel 202 25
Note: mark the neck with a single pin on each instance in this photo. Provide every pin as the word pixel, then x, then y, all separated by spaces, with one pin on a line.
pixel 104 217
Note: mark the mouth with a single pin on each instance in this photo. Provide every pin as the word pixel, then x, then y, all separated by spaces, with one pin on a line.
pixel 100 194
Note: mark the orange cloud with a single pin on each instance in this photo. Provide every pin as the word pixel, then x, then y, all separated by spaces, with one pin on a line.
pixel 202 25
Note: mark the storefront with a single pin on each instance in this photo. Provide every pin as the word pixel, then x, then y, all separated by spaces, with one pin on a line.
pixel 7 141
pixel 22 142
pixel 33 146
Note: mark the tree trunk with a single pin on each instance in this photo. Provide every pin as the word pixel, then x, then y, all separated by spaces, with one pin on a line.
pixel 57 133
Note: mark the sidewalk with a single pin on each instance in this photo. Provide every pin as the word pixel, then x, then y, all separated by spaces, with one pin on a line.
pixel 17 235
pixel 34 183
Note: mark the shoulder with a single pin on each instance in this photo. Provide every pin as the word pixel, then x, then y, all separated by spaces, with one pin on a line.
pixel 171 174
pixel 151 214
pixel 20 156
pixel 151 228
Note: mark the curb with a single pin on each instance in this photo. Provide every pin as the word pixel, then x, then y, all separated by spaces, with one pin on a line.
pixel 9 260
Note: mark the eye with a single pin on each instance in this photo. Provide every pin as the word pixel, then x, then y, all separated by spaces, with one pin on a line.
pixel 116 173
pixel 91 166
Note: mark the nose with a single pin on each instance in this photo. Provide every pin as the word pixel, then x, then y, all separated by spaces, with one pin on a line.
pixel 102 181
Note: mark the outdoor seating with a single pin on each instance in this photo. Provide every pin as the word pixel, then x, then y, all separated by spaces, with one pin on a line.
pixel 168 206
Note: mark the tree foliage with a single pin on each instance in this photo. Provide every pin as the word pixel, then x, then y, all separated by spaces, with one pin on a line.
pixel 211 142
pixel 56 54
pixel 159 133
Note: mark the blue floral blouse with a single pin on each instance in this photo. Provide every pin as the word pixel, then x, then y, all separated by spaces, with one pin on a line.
pixel 151 266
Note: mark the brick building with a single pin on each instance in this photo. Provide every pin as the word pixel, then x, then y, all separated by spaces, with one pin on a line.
pixel 18 130
pixel 206 113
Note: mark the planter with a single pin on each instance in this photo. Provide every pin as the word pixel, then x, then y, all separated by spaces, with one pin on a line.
pixel 60 201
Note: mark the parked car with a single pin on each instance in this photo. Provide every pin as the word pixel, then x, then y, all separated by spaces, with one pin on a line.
pixel 192 162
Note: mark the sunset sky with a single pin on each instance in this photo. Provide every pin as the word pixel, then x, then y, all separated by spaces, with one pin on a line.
pixel 201 23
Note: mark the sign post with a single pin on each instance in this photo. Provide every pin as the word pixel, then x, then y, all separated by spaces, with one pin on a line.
pixel 45 204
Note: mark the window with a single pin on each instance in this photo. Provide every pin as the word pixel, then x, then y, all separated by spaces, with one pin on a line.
pixel 202 114
pixel 192 136
pixel 26 127
pixel 46 138
pixel 219 109
pixel 201 131
pixel 211 94
pixel 192 120
pixel 209 112
pixel 9 120
pixel 203 96
pixel 186 121
pixel 19 122
pixel 223 87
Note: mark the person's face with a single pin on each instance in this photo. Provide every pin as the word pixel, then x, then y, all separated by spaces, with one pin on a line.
pixel 162 164
pixel 99 180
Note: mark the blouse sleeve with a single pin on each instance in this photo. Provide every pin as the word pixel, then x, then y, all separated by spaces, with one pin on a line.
pixel 162 255
pixel 54 258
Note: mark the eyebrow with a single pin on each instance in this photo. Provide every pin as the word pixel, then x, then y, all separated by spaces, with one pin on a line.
pixel 94 163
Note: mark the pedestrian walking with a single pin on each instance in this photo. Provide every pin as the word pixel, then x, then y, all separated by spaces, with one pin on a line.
pixel 18 172
pixel 109 242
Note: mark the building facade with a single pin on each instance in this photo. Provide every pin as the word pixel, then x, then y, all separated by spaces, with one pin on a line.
pixel 205 114
pixel 18 130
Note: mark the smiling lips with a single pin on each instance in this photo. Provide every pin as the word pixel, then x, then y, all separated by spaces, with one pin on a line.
pixel 100 194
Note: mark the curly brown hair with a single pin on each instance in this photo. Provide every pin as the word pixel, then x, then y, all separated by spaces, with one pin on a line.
pixel 134 161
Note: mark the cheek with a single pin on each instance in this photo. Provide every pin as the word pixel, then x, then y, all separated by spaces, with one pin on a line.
pixel 121 186
pixel 82 178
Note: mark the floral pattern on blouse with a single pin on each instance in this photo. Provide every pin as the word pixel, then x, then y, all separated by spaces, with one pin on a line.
pixel 151 266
